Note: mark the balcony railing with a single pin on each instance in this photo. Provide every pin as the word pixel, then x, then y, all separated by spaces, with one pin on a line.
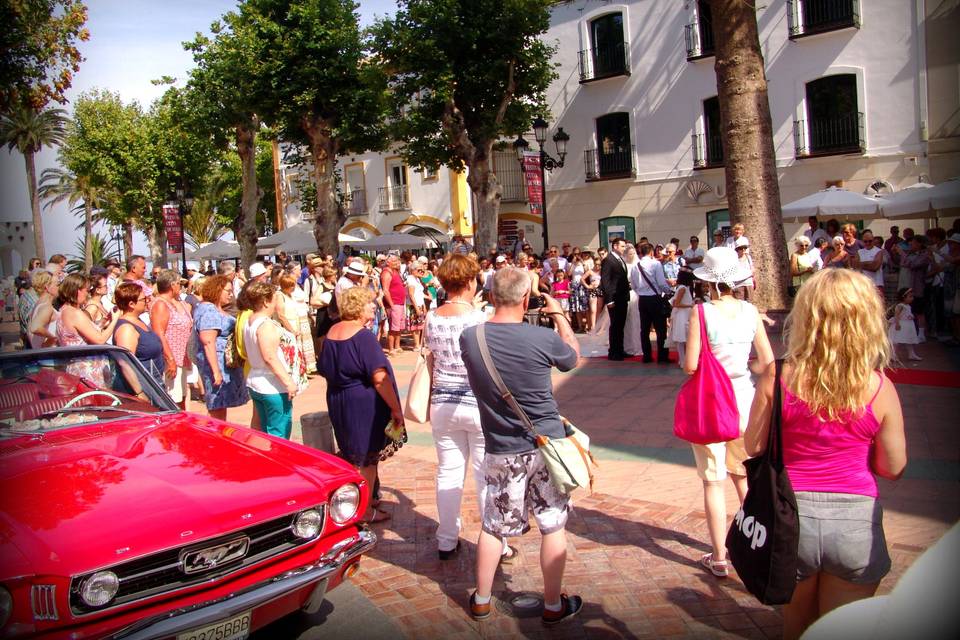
pixel 513 187
pixel 707 151
pixel 699 38
pixel 605 166
pixel 808 17
pixel 605 62
pixel 830 136
pixel 355 203
pixel 396 198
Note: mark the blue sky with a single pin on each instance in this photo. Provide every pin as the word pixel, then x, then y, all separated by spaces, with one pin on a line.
pixel 131 43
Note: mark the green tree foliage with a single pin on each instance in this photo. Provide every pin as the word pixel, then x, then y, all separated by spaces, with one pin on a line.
pixel 324 90
pixel 227 91
pixel 39 44
pixel 27 131
pixel 109 145
pixel 96 248
pixel 58 185
pixel 463 75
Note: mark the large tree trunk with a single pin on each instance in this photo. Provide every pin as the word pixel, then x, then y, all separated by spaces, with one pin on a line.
pixel 330 214
pixel 749 157
pixel 485 186
pixel 154 243
pixel 246 229
pixel 87 236
pixel 127 240
pixel 28 158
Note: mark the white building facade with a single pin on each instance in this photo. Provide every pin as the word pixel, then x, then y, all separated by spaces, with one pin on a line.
pixel 637 94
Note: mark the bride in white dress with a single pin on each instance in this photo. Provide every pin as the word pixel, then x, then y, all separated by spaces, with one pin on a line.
pixel 631 331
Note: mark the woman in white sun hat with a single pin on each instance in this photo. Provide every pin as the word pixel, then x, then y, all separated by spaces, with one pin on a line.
pixel 733 327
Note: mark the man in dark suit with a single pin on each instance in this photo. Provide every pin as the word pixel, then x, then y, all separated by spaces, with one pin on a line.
pixel 616 295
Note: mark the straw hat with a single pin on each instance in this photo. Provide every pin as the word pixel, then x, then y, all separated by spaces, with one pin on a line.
pixel 721 264
pixel 355 269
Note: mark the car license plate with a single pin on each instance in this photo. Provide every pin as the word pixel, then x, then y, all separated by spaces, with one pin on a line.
pixel 236 628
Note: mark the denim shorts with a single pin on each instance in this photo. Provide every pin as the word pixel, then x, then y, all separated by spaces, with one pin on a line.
pixel 841 534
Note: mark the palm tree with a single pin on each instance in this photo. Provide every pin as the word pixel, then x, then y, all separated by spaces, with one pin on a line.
pixel 96 244
pixel 60 185
pixel 201 225
pixel 28 131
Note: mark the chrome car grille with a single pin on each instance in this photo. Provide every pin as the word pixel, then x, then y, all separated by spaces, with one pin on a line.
pixel 164 571
pixel 43 601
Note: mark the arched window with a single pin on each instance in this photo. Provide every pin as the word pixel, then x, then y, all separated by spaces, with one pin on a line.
pixel 608 54
pixel 834 123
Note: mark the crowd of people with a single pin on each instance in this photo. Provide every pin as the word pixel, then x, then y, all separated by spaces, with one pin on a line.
pixel 232 337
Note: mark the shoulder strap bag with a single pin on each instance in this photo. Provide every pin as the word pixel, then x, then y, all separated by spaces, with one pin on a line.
pixel 416 406
pixel 666 308
pixel 568 459
pixel 764 537
pixel 706 408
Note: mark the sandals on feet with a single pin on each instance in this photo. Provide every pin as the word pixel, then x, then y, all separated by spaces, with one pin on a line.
pixel 379 515
pixel 719 568
pixel 509 558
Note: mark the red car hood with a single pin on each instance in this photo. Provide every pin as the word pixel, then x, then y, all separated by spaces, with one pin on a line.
pixel 88 497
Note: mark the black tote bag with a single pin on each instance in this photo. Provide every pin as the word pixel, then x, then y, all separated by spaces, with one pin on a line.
pixel 763 539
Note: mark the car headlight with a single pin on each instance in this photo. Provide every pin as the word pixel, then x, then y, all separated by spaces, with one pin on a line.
pixel 307 524
pixel 6 606
pixel 99 589
pixel 344 503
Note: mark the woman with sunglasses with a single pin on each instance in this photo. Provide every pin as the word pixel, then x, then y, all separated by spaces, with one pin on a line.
pixel 133 335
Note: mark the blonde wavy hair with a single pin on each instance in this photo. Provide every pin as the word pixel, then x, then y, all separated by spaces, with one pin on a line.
pixel 836 338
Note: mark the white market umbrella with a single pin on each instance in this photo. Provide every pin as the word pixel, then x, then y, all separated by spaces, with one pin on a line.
pixel 832 202
pixel 307 242
pixel 394 240
pixel 219 250
pixel 926 201
pixel 286 235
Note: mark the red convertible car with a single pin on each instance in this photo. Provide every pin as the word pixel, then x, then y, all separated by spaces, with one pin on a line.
pixel 130 519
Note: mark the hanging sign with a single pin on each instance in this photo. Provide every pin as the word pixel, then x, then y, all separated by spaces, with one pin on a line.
pixel 171 224
pixel 531 172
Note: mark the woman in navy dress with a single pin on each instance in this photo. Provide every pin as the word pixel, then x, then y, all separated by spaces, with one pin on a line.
pixel 362 395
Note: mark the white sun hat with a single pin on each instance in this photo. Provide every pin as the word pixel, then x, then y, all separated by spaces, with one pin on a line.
pixel 355 269
pixel 721 264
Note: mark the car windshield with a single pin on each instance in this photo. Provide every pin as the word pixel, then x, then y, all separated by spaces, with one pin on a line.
pixel 50 389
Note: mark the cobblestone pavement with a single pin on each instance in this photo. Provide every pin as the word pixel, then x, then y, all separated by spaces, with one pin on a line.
pixel 633 544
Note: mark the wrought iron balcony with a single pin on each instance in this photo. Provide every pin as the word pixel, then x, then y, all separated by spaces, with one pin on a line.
pixel 396 198
pixel 707 151
pixel 605 166
pixel 513 187
pixel 830 136
pixel 605 62
pixel 355 202
pixel 809 17
pixel 699 38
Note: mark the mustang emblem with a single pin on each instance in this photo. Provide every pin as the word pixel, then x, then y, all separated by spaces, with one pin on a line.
pixel 212 557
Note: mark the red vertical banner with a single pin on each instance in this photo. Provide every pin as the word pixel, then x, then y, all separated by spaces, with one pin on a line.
pixel 531 173
pixel 171 224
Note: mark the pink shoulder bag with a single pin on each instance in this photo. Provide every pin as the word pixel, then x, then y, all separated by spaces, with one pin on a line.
pixel 706 409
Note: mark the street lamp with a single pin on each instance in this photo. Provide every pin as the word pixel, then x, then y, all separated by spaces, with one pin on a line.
pixel 547 162
pixel 116 234
pixel 184 202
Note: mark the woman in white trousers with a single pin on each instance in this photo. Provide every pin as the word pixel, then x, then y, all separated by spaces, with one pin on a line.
pixel 454 417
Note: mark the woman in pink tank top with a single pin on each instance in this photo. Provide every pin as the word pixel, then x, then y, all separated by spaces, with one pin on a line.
pixel 841 426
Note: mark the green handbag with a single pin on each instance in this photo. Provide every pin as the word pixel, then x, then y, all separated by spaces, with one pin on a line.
pixel 568 459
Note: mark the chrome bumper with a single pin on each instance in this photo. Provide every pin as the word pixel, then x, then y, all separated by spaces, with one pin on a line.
pixel 179 620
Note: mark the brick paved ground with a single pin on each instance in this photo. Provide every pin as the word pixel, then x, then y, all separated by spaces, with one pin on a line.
pixel 634 544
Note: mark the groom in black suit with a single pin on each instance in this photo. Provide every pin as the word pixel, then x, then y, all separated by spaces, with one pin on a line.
pixel 616 295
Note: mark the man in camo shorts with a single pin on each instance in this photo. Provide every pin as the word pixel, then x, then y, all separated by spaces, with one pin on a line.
pixel 517 481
